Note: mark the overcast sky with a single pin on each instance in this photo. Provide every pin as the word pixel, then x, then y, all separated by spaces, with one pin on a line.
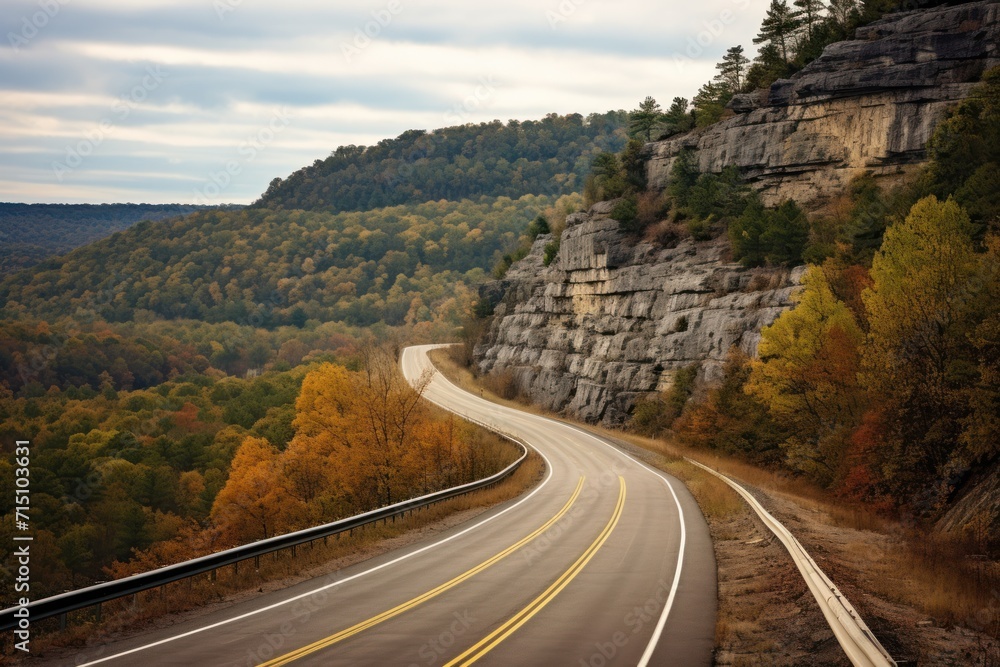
pixel 205 101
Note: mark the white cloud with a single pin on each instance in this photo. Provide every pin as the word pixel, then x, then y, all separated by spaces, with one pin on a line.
pixel 427 67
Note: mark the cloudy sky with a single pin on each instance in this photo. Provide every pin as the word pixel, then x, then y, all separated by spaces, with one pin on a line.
pixel 205 101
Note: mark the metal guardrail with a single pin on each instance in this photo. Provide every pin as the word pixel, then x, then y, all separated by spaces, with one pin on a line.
pixel 859 643
pixel 61 604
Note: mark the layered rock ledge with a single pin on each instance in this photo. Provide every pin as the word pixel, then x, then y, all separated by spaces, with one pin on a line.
pixel 871 103
pixel 611 320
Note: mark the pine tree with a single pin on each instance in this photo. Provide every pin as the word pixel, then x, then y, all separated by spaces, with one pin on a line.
pixel 732 69
pixel 843 12
pixel 645 119
pixel 677 118
pixel 779 28
pixel 810 11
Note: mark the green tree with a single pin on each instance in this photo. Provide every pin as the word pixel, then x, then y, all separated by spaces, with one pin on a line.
pixel 732 69
pixel 965 153
pixel 786 235
pixel 710 103
pixel 643 121
pixel 810 12
pixel 925 300
pixel 778 28
pixel 678 118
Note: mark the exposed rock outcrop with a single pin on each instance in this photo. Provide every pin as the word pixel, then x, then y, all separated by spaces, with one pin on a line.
pixel 867 104
pixel 611 320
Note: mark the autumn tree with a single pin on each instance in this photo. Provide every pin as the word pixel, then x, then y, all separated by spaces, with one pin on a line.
pixel 923 307
pixel 807 376
pixel 982 433
pixel 357 429
pixel 730 419
pixel 253 503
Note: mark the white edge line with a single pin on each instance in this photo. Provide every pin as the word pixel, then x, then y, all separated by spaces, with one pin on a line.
pixel 545 481
pixel 647 655
pixel 661 623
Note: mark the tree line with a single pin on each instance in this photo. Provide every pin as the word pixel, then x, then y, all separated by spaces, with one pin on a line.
pixel 550 156
pixel 398 265
pixel 30 233
pixel 790 37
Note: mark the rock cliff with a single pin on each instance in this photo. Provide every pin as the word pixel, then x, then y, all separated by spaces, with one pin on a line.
pixel 610 320
pixel 866 104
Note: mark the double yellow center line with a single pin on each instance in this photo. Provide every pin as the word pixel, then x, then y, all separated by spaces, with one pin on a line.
pixel 520 618
pixel 395 611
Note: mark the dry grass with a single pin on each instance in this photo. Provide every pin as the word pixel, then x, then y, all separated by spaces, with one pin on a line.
pixel 280 570
pixel 446 361
pixel 887 558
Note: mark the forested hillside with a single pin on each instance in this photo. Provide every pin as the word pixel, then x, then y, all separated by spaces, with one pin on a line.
pixel 157 370
pixel 551 156
pixel 30 233
pixel 402 264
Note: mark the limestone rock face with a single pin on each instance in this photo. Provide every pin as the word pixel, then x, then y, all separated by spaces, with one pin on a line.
pixel 611 320
pixel 866 104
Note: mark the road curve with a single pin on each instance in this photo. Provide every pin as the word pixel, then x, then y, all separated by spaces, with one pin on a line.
pixel 605 562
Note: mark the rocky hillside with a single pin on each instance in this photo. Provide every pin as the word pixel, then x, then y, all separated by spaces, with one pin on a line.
pixel 610 320
pixel 867 104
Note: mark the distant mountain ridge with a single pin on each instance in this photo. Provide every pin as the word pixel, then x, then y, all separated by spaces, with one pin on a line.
pixel 551 156
pixel 30 233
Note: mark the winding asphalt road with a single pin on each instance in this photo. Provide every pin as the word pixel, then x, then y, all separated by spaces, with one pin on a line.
pixel 605 562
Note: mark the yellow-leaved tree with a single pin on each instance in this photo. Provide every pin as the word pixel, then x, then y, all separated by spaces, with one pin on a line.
pixel 361 429
pixel 254 504
pixel 807 376
pixel 926 300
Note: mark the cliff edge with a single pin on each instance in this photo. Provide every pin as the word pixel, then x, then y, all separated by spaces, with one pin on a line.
pixel 870 103
pixel 610 320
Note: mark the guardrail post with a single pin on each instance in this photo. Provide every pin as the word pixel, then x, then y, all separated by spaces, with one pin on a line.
pixel 98 612
pixel 293 551
pixel 62 621
pixel 213 575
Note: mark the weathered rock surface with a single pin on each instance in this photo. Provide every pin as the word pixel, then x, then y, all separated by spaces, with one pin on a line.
pixel 867 104
pixel 610 320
